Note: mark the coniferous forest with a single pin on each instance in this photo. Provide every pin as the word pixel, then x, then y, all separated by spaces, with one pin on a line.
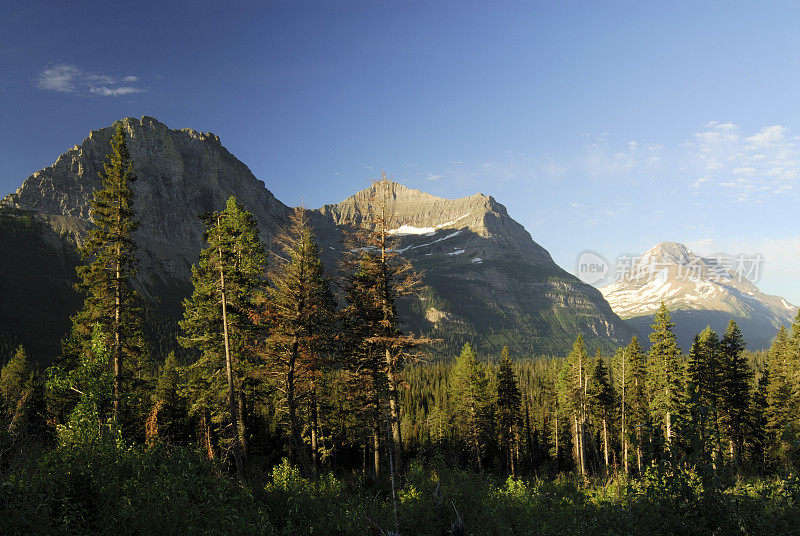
pixel 295 402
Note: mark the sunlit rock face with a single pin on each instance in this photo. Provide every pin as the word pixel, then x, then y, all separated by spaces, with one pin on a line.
pixel 490 283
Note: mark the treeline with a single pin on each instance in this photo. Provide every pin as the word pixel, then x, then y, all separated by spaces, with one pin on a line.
pixel 720 407
pixel 281 359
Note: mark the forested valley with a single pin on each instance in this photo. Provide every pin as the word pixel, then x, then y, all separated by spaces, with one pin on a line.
pixel 295 403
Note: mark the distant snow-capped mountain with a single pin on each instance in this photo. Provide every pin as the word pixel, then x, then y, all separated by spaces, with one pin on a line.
pixel 699 291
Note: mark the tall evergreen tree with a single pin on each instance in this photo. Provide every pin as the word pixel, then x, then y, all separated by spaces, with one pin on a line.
pixel 735 389
pixel 22 405
pixel 107 279
pixel 167 419
pixel 665 375
pixel 508 408
pixel 472 405
pixel 574 387
pixel 602 401
pixel 217 317
pixel 13 377
pixel 383 277
pixel 703 382
pixel 299 310
pixel 630 375
pixel 779 412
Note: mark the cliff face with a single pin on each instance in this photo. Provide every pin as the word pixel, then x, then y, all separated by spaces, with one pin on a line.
pixel 182 174
pixel 488 282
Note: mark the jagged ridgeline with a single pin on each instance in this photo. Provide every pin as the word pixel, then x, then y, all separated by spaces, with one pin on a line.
pixel 487 281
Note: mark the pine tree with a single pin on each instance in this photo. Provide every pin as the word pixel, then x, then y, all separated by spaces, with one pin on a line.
pixel 574 389
pixel 630 368
pixel 735 389
pixel 469 393
pixel 703 382
pixel 756 423
pixel 22 405
pixel 167 419
pixel 299 310
pixel 361 319
pixel 508 408
pixel 602 402
pixel 13 377
pixel 665 375
pixel 779 410
pixel 108 279
pixel 217 317
pixel 378 278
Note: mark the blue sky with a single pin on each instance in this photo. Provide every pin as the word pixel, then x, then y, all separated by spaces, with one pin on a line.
pixel 607 126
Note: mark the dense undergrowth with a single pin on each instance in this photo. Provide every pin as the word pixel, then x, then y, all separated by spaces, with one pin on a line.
pixel 109 490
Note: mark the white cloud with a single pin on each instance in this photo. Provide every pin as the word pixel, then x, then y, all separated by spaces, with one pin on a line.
pixel 67 78
pixel 769 159
pixel 432 177
pixel 114 92
pixel 59 78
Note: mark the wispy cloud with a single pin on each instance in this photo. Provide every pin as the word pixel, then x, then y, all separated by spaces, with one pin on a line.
pixel 749 166
pixel 602 160
pixel 68 78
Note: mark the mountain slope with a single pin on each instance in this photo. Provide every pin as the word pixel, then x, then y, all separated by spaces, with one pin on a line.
pixel 489 282
pixel 699 291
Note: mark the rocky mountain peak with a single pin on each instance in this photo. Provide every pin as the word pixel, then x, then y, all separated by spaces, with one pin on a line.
pixel 673 252
pixel 181 174
pixel 700 290
pixel 416 212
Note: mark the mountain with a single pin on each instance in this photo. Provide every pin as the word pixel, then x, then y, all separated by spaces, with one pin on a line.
pixel 488 282
pixel 699 291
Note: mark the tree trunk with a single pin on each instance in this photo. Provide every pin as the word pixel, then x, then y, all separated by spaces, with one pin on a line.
pixel 394 413
pixel 242 427
pixel 232 406
pixel 117 342
pixel 314 424
pixel 476 438
pixel 557 456
pixel 511 451
pixel 376 452
pixel 605 441
pixel 622 433
pixel 376 438
pixel 206 425
pixel 295 445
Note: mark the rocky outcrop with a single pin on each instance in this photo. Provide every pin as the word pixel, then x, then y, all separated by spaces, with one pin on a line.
pixel 182 174
pixel 488 281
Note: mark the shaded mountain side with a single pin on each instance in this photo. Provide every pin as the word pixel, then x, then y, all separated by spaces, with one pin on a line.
pixel 489 282
pixel 36 288
pixel 758 333
pixel 38 296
